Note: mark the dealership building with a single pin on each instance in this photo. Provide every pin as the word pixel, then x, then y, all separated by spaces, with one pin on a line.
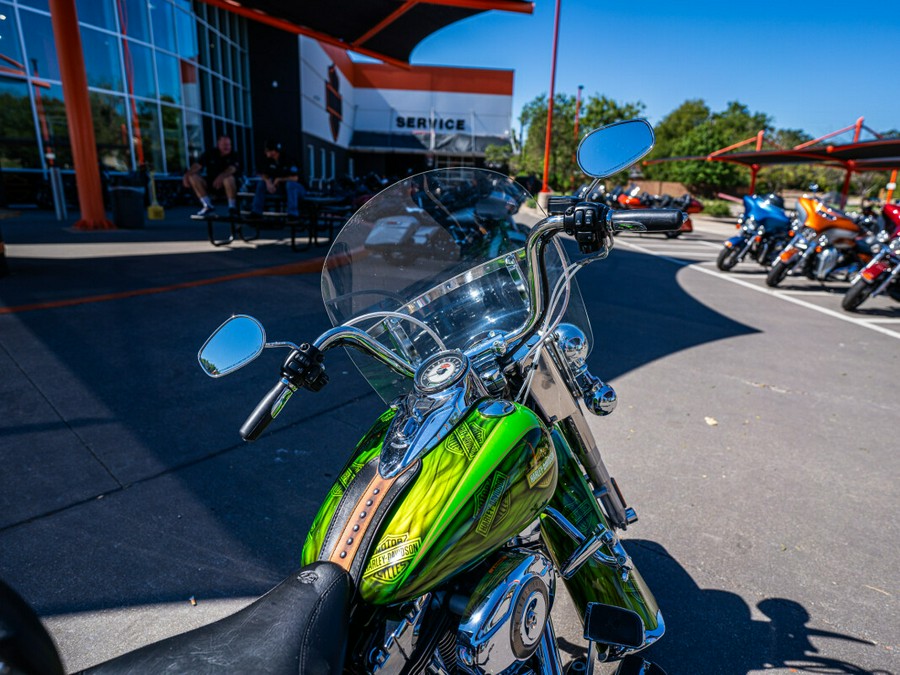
pixel 164 78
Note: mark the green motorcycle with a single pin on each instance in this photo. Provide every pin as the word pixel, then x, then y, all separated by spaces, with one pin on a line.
pixel 439 547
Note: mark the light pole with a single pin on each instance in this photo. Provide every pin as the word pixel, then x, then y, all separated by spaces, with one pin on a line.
pixel 544 187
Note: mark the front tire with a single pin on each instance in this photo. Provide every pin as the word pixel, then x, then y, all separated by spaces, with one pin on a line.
pixel 728 258
pixel 777 274
pixel 673 235
pixel 858 293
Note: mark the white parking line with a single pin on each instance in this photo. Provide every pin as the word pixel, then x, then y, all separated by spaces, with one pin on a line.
pixel 760 289
pixel 876 320
pixel 821 293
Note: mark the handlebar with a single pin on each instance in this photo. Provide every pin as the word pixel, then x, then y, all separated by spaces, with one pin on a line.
pixel 649 220
pixel 267 410
pixel 591 224
pixel 303 369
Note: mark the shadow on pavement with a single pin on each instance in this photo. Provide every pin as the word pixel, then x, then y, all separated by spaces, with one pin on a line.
pixel 711 631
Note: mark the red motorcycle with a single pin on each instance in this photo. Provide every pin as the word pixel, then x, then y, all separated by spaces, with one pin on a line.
pixel 633 198
pixel 882 273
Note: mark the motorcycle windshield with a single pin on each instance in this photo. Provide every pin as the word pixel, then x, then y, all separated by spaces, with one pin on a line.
pixel 437 261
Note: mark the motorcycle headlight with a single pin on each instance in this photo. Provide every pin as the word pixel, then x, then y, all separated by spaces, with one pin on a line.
pixel 895 245
pixel 749 226
pixel 809 234
pixel 883 237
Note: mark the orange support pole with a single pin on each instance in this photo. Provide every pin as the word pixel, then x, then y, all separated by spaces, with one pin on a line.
pixel 891 182
pixel 546 177
pixel 78 114
pixel 845 190
pixel 754 169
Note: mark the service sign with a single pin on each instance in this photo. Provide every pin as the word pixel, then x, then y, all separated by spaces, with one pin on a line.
pixel 376 106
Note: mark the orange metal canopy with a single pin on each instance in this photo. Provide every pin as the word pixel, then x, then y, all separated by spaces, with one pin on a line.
pixel 385 29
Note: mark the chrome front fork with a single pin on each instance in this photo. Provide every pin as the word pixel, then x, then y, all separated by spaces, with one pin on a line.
pixel 549 661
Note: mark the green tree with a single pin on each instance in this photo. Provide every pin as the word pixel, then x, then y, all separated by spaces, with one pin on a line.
pixel 669 131
pixel 596 111
pixel 722 129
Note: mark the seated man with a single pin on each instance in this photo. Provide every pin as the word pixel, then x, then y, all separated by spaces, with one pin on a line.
pixel 278 174
pixel 222 168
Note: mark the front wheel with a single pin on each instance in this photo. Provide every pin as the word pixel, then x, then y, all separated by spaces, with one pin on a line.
pixel 728 258
pixel 777 274
pixel 673 235
pixel 859 292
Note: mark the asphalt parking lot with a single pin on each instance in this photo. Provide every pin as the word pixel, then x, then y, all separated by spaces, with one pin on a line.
pixel 755 436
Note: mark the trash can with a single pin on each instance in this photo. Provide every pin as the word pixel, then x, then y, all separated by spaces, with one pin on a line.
pixel 127 205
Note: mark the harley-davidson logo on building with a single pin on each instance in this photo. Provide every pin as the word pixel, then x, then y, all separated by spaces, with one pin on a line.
pixel 334 101
pixel 392 557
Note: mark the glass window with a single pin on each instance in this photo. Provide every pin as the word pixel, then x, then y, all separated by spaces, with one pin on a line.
pixel 134 20
pixel 101 59
pixel 10 53
pixel 225 58
pixel 167 67
pixel 218 97
pixel 39 47
pixel 51 112
pixel 183 4
pixel 190 84
pixel 173 139
pixel 203 44
pixel 100 13
pixel 213 48
pixel 205 90
pixel 111 131
pixel 147 146
pixel 193 126
pixel 139 69
pixel 37 4
pixel 18 142
pixel 186 34
pixel 229 100
pixel 163 18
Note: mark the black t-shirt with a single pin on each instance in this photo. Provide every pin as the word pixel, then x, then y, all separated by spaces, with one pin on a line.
pixel 282 167
pixel 215 162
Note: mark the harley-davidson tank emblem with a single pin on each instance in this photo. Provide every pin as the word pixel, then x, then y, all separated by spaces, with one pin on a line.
pixel 492 502
pixel 391 557
pixel 466 439
pixel 542 462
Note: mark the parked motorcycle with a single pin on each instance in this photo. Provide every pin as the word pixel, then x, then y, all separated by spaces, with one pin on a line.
pixel 827 242
pixel 764 231
pixel 440 545
pixel 634 198
pixel 883 271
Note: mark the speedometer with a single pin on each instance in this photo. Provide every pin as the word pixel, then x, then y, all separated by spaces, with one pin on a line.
pixel 441 371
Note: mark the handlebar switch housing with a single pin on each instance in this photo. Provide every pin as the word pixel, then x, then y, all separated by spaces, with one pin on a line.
pixel 304 368
pixel 585 221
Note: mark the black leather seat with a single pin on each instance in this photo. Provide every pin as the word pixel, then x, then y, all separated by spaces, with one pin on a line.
pixel 300 626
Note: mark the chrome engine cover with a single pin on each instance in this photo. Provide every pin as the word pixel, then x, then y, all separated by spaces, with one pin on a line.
pixel 506 614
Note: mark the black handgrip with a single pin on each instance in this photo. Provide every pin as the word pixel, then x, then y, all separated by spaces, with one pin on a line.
pixel 648 220
pixel 267 410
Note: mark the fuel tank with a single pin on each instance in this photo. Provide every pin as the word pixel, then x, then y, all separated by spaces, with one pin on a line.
pixel 485 481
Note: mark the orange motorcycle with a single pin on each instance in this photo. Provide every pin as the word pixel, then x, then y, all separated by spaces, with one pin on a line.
pixel 827 243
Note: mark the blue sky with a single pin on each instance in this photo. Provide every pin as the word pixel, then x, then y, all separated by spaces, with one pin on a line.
pixel 816 66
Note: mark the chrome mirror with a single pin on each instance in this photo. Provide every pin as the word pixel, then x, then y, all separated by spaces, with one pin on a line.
pixel 615 147
pixel 233 345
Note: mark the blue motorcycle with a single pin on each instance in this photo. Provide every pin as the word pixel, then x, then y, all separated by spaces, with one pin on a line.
pixel 765 229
